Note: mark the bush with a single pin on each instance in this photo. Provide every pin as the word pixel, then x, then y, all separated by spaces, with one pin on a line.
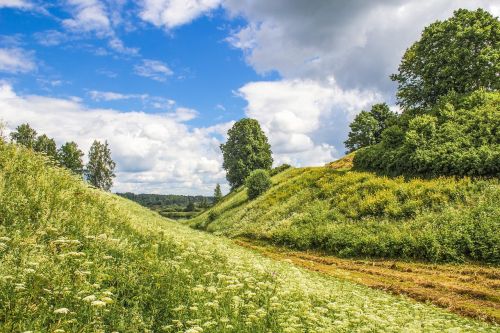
pixel 459 137
pixel 279 169
pixel 257 183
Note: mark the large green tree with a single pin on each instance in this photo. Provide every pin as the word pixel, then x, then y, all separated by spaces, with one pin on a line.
pixel 246 149
pixel 460 54
pixel 46 145
pixel 367 127
pixel 24 135
pixel 70 157
pixel 100 168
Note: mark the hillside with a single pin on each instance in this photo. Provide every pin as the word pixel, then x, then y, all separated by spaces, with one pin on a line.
pixel 347 213
pixel 75 259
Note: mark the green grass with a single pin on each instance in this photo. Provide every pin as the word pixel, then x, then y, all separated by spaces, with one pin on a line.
pixel 360 214
pixel 74 259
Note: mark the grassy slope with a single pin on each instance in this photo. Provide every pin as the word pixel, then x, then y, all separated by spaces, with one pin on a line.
pixel 73 259
pixel 357 214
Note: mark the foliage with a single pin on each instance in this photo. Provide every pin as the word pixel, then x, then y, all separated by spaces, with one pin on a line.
pixel 460 54
pixel 246 150
pixel 163 201
pixel 360 214
pixel 70 157
pixel 77 259
pixel 46 145
pixel 100 167
pixel 190 207
pixel 257 183
pixel 24 135
pixel 458 136
pixel 367 127
pixel 217 194
pixel 278 169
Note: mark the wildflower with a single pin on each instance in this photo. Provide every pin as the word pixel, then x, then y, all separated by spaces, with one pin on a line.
pixel 61 311
pixel 89 298
pixel 107 300
pixel 98 304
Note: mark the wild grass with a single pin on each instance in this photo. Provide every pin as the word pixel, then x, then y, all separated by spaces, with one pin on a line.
pixel 74 259
pixel 361 214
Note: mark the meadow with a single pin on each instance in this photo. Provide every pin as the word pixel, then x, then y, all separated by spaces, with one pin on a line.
pixel 349 213
pixel 76 259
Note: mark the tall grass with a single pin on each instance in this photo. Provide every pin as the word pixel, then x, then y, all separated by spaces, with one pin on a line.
pixel 74 259
pixel 359 214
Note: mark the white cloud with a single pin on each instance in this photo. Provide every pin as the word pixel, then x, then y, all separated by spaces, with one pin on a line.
pixel 16 60
pixel 50 37
pixel 117 45
pixel 153 69
pixel 358 42
pixel 173 13
pixel 154 152
pixel 88 16
pixel 21 4
pixel 113 96
pixel 294 113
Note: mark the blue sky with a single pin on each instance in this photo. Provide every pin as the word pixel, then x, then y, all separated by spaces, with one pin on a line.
pixel 163 80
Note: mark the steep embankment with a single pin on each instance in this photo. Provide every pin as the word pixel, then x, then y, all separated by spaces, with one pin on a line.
pixel 74 259
pixel 359 214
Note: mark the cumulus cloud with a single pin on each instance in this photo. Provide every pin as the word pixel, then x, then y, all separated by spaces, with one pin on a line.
pixel 113 96
pixel 153 69
pixel 155 153
pixel 358 42
pixel 173 13
pixel 16 60
pixel 294 113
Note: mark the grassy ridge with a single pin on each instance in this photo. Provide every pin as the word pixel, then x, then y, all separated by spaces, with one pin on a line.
pixel 74 259
pixel 357 214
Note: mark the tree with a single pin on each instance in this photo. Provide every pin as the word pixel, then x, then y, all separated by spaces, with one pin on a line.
pixel 257 183
pixel 46 145
pixel 246 149
pixel 217 194
pixel 70 157
pixel 24 135
pixel 367 127
pixel 460 54
pixel 100 168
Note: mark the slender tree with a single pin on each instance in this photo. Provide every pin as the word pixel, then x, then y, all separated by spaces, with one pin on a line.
pixel 70 157
pixel 217 194
pixel 24 135
pixel 246 149
pixel 46 145
pixel 100 168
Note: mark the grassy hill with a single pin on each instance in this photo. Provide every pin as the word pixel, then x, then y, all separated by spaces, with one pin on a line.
pixel 359 214
pixel 75 259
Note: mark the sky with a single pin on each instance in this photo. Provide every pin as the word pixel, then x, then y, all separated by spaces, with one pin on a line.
pixel 163 80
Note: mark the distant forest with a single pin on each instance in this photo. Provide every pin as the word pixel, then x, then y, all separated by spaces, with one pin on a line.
pixel 171 205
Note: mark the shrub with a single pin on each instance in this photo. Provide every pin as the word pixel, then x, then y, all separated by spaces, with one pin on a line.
pixel 257 183
pixel 459 136
pixel 279 169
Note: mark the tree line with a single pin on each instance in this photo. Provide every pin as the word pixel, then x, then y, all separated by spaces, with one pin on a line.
pixel 99 170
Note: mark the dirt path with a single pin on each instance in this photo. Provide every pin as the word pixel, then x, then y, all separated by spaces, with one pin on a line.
pixel 470 290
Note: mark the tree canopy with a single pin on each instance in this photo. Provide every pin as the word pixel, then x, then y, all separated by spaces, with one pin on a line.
pixel 367 127
pixel 100 168
pixel 70 157
pixel 460 54
pixel 46 145
pixel 246 149
pixel 24 135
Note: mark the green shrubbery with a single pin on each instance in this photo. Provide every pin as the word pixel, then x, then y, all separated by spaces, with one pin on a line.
pixel 257 183
pixel 358 214
pixel 459 136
